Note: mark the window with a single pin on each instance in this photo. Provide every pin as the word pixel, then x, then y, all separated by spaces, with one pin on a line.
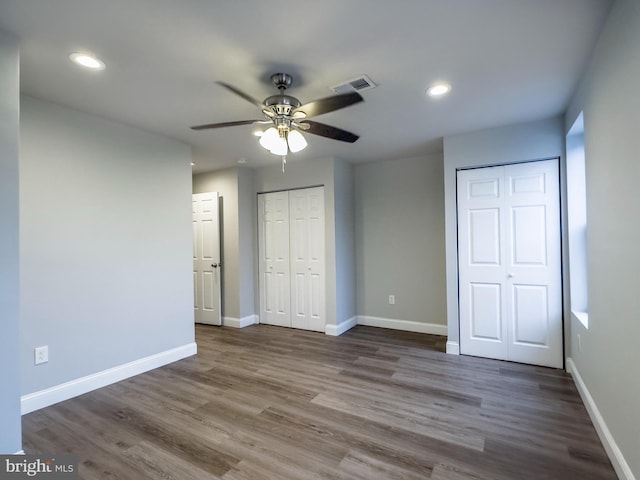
pixel 577 221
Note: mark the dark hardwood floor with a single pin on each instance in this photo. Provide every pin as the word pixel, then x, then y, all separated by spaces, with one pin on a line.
pixel 275 404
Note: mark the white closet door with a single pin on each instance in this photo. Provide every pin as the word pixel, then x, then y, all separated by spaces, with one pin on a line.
pixel 534 275
pixel 292 260
pixel 206 259
pixel 306 225
pixel 510 264
pixel 482 275
pixel 274 269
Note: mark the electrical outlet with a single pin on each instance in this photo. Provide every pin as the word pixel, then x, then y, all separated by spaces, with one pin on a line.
pixel 41 355
pixel 392 299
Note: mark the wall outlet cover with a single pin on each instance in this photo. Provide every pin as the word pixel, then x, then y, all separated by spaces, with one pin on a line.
pixel 41 355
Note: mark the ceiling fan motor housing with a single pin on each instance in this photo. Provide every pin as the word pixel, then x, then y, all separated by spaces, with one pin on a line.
pixel 282 104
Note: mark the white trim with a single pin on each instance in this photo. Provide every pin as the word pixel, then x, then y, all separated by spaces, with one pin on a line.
pixel 335 330
pixel 406 325
pixel 64 391
pixel 453 348
pixel 240 322
pixel 21 452
pixel 620 465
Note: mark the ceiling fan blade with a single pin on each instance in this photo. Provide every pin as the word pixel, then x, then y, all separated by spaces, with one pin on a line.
pixel 329 104
pixel 240 93
pixel 228 124
pixel 328 131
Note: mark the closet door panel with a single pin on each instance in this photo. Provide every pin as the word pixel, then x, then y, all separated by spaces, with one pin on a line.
pixel 273 251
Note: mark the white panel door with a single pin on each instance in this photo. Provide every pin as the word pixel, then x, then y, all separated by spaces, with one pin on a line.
pixel 534 276
pixel 509 263
pixel 206 259
pixel 291 258
pixel 306 213
pixel 273 268
pixel 482 274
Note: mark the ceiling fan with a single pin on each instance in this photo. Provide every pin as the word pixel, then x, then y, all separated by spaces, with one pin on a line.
pixel 288 116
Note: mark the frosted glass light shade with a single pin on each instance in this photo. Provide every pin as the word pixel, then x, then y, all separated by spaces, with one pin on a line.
pixel 296 141
pixel 270 138
pixel 279 147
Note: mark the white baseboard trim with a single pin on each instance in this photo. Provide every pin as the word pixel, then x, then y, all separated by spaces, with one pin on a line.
pixel 406 325
pixel 339 329
pixel 43 398
pixel 453 348
pixel 241 322
pixel 618 461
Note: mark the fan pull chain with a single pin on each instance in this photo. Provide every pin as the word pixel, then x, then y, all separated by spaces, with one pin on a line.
pixel 284 162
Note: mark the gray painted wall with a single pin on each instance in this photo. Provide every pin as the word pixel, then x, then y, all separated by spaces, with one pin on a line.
pixel 400 239
pixel 247 240
pixel 10 426
pixel 106 273
pixel 514 143
pixel 608 96
pixel 225 182
pixel 343 179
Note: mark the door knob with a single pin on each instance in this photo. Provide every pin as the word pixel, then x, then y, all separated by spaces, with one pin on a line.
pixel 214 265
pixel 511 275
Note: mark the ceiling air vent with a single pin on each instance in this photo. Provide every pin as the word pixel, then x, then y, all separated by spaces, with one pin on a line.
pixel 354 85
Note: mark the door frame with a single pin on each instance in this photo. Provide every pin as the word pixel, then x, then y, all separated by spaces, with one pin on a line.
pixel 455 349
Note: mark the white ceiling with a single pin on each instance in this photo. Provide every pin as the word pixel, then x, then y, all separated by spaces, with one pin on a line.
pixel 509 61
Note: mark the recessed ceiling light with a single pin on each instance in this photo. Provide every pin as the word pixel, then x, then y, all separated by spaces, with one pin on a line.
pixel 87 61
pixel 438 89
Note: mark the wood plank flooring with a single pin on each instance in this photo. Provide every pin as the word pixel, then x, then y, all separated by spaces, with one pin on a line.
pixel 270 403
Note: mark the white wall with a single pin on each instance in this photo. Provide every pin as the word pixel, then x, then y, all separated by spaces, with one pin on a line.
pixel 609 358
pixel 514 143
pixel 10 427
pixel 105 214
pixel 400 241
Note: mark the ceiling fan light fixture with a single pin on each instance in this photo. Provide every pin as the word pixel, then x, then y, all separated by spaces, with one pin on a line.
pixel 279 147
pixel 287 116
pixel 269 138
pixel 296 141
